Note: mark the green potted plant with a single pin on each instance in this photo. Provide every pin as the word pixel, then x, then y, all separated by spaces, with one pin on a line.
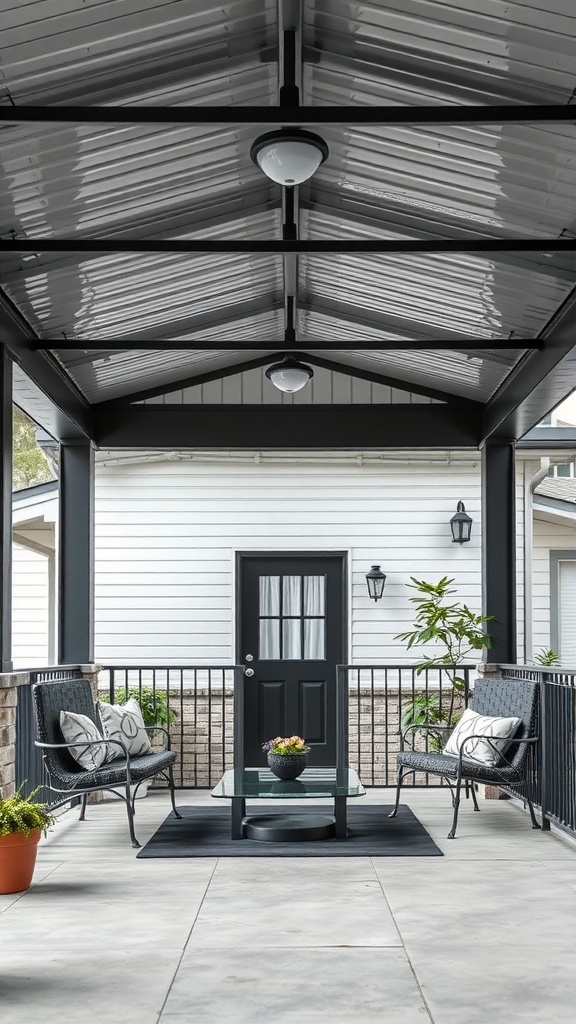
pixel 156 710
pixel 22 819
pixel 287 756
pixel 154 704
pixel 457 631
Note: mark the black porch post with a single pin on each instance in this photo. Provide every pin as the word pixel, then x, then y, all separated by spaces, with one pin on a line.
pixel 499 549
pixel 76 554
pixel 6 511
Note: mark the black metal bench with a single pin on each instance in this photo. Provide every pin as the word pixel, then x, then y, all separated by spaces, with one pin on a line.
pixel 68 777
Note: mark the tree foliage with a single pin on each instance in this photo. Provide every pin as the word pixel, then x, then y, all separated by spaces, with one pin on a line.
pixel 456 631
pixel 30 465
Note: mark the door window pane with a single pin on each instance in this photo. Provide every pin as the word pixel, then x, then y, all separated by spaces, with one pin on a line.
pixel 314 639
pixel 269 639
pixel 291 643
pixel 314 595
pixel 269 595
pixel 291 590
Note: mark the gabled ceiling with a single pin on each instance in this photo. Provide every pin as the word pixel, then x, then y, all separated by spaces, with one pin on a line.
pixel 142 252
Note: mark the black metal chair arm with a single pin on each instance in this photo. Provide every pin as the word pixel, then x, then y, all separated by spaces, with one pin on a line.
pixel 85 743
pixel 160 728
pixel 423 728
pixel 491 742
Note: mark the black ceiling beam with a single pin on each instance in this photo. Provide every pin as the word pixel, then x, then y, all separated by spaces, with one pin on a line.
pixel 266 427
pixel 70 415
pixel 285 116
pixel 279 247
pixel 374 377
pixel 188 382
pixel 189 345
pixel 538 382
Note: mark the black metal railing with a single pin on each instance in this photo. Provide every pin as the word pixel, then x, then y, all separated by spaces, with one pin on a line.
pixel 201 702
pixel 196 704
pixel 379 698
pixel 551 781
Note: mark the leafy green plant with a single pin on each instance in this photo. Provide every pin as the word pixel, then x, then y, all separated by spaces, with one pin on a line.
pixel 457 631
pixel 546 657
pixel 154 704
pixel 23 814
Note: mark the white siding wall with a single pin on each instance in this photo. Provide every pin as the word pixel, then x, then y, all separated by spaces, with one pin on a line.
pixel 166 535
pixel 30 647
pixel 548 536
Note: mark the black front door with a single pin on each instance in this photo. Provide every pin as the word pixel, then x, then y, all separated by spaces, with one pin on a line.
pixel 292 634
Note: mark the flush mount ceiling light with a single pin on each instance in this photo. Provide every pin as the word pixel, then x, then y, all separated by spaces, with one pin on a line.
pixel 290 375
pixel 289 156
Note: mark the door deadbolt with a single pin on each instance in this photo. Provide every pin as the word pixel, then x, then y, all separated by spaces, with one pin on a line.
pixel 249 657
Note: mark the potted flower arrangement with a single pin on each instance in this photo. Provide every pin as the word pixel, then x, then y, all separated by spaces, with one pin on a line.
pixel 287 756
pixel 21 822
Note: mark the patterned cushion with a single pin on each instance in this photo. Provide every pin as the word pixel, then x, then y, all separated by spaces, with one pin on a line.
pixel 77 727
pixel 500 730
pixel 124 722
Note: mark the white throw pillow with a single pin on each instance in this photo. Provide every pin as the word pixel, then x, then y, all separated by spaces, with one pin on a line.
pixel 79 727
pixel 124 722
pixel 501 731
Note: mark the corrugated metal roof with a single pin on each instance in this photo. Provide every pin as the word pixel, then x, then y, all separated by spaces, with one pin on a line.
pixel 137 51
pixel 198 181
pixel 423 51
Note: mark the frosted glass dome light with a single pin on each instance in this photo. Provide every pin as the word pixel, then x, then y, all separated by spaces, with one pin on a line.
pixel 290 375
pixel 289 157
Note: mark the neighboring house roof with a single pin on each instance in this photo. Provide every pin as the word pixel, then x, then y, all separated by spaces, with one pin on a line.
pixel 561 488
pixel 556 497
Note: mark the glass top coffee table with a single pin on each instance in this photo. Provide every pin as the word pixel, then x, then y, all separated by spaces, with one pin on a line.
pixel 240 785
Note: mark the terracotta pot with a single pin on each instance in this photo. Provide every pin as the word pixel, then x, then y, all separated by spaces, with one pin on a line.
pixel 17 860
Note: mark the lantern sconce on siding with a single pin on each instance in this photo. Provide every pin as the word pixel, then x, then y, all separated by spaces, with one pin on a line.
pixel 461 525
pixel 375 580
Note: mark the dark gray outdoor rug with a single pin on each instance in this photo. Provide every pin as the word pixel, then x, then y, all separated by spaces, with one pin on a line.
pixel 205 832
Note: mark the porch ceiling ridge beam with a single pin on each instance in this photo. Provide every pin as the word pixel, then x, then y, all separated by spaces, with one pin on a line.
pixel 73 415
pixel 538 382
pixel 266 427
pixel 282 246
pixel 143 395
pixel 178 345
pixel 385 380
pixel 377 114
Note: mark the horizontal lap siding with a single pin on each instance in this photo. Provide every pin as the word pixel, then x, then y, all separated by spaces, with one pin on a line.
pixel 30 626
pixel 548 537
pixel 166 537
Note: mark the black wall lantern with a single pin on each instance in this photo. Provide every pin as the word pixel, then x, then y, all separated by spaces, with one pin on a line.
pixel 461 525
pixel 375 580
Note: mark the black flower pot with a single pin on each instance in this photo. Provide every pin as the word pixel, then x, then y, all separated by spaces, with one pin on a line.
pixel 287 766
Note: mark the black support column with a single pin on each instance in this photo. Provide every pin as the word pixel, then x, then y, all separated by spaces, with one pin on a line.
pixel 499 549
pixel 5 511
pixel 76 554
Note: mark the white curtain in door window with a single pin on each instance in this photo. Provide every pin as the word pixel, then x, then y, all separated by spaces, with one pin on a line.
pixel 314 595
pixel 269 595
pixel 314 639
